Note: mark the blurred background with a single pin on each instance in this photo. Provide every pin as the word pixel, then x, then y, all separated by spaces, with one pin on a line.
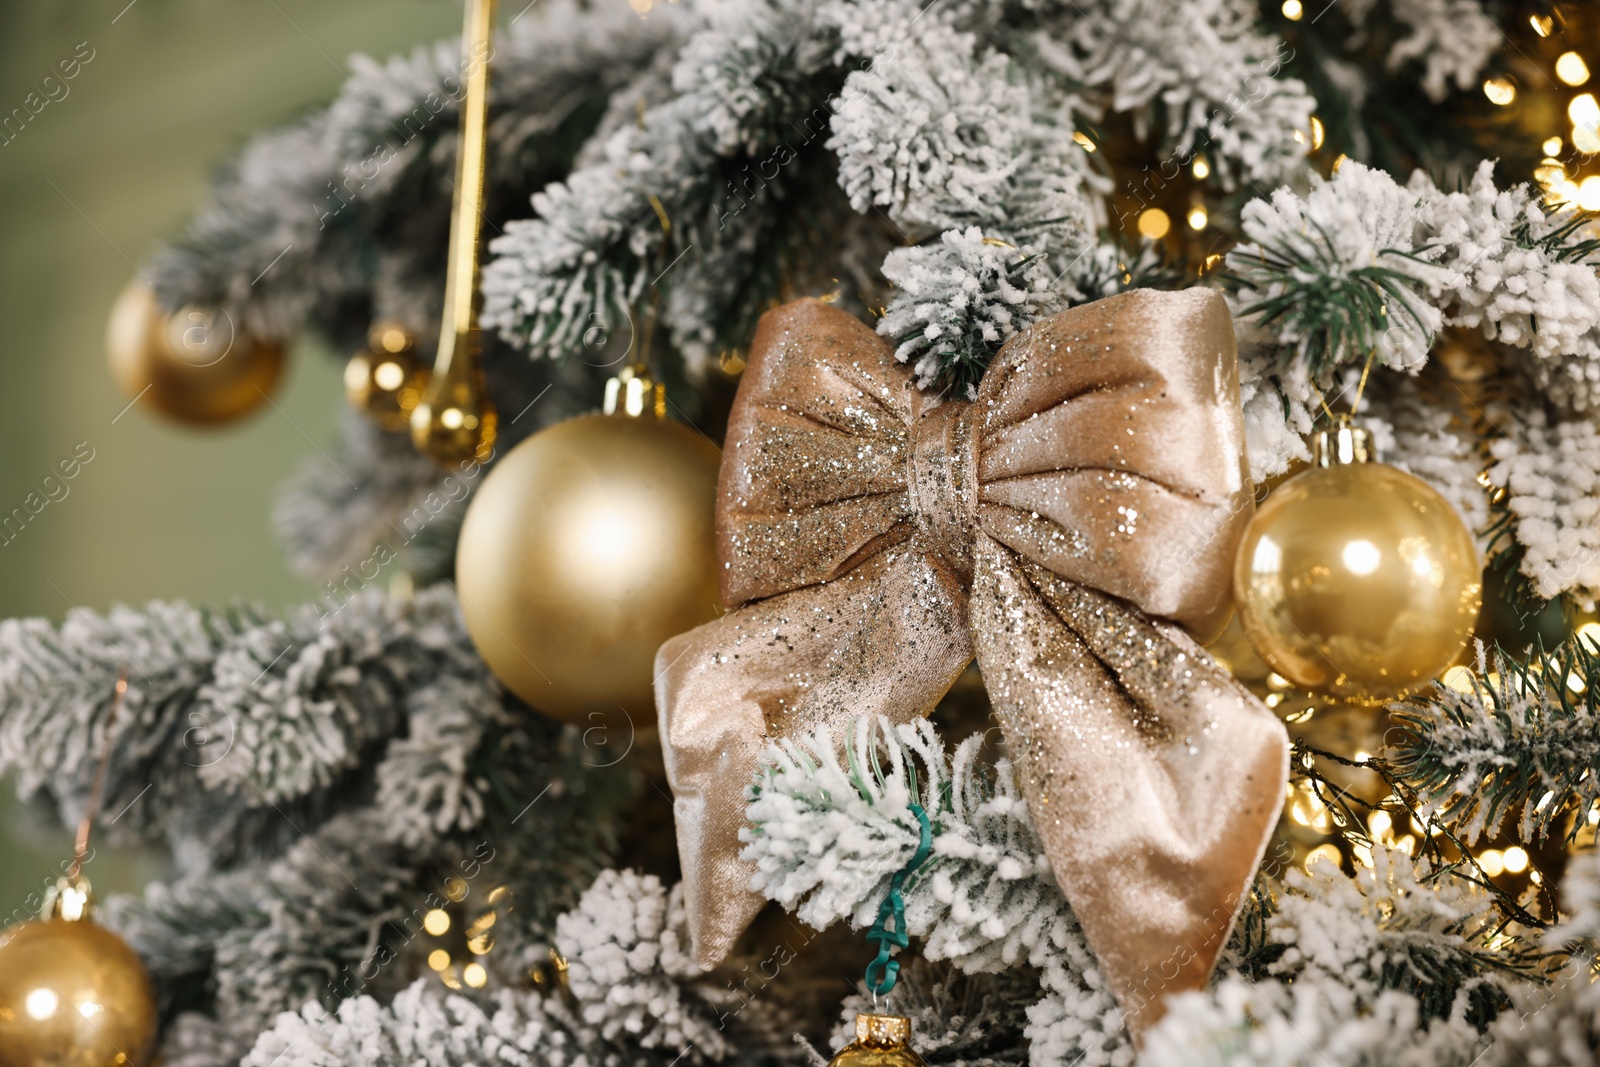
pixel 87 189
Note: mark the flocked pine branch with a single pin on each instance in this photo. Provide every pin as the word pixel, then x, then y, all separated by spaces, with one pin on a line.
pixel 491 818
pixel 228 713
pixel 682 198
pixel 1198 77
pixel 1518 752
pixel 1544 463
pixel 1362 265
pixel 959 300
pixel 633 996
pixel 344 216
pixel 1450 40
pixel 1400 964
pixel 1309 1021
pixel 827 836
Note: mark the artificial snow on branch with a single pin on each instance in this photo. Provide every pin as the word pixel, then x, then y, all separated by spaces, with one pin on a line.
pixel 942 135
pixel 344 216
pixel 1362 265
pixel 1547 466
pixel 635 997
pixel 1197 76
pixel 827 836
pixel 626 946
pixel 1452 40
pixel 959 300
pixel 1519 751
pixel 228 713
pixel 695 177
pixel 1398 965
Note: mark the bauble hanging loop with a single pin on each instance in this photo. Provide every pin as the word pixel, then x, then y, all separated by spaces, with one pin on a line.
pixel 1356 579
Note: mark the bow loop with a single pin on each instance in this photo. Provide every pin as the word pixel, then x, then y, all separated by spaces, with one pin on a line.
pixel 1111 451
pixel 814 470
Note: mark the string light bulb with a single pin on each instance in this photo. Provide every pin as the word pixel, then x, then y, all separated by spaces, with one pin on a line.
pixel 1293 10
pixel 1589 193
pixel 1584 110
pixel 1500 91
pixel 1571 68
pixel 1154 223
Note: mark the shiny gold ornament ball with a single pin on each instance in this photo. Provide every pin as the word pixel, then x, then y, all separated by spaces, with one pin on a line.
pixel 73 994
pixel 1359 581
pixel 881 1041
pixel 194 366
pixel 585 548
pixel 386 380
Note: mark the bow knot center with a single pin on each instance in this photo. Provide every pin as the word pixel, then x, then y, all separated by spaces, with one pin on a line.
pixel 943 480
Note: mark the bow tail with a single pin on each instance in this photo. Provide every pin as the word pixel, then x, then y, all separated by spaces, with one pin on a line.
pixel 888 638
pixel 1154 779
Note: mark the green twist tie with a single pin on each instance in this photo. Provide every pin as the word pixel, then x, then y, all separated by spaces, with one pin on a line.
pixel 883 971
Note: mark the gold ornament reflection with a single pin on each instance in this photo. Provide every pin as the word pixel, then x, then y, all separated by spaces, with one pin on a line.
pixel 586 547
pixel 1358 580
pixel 73 994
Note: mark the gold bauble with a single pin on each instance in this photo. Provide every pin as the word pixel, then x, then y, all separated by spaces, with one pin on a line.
pixel 881 1041
pixel 585 548
pixel 73 994
pixel 193 366
pixel 1356 579
pixel 386 380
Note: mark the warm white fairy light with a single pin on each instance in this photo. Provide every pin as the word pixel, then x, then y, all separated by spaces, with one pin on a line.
pixel 1500 91
pixel 1571 69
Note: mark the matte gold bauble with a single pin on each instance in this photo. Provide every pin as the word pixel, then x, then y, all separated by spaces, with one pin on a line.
pixel 385 381
pixel 1356 579
pixel 881 1041
pixel 585 548
pixel 193 366
pixel 73 994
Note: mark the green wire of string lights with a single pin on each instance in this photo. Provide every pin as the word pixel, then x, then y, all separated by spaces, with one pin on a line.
pixel 883 971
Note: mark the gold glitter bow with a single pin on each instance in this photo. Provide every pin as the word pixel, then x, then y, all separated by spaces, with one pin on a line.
pixel 873 539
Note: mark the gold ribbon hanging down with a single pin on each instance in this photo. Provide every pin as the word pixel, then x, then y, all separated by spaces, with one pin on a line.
pixel 873 539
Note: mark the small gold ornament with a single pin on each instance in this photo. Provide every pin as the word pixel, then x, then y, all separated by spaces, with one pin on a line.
pixel 881 1041
pixel 72 993
pixel 193 366
pixel 1356 579
pixel 586 547
pixel 386 379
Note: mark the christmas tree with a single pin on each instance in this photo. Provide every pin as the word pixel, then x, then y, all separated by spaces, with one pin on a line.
pixel 1006 317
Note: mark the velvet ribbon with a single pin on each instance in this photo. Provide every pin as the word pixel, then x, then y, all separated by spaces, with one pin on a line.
pixel 1073 526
